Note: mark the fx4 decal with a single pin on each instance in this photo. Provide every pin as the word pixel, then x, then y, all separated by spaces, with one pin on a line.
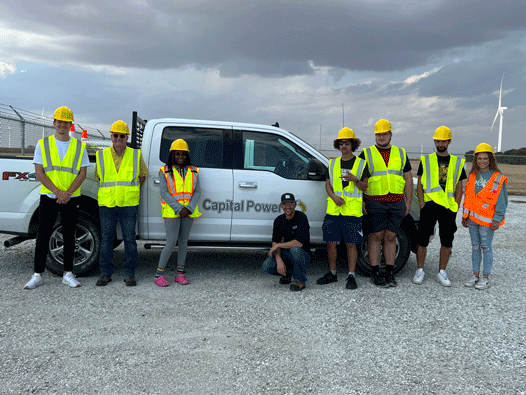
pixel 18 175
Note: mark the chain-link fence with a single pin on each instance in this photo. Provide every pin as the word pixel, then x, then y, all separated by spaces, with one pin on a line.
pixel 20 131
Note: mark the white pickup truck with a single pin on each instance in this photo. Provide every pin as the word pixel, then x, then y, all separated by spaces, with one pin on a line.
pixel 244 169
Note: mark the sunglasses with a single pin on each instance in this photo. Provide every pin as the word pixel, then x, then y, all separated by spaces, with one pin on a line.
pixel 118 135
pixel 345 143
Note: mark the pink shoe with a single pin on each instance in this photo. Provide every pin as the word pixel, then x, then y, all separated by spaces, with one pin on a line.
pixel 181 279
pixel 161 281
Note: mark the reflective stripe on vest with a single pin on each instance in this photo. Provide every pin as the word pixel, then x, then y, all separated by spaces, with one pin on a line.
pixel 382 182
pixel 480 207
pixel 430 181
pixel 352 197
pixel 119 188
pixel 63 172
pixel 184 195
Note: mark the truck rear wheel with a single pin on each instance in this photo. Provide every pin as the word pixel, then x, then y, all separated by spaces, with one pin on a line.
pixel 403 250
pixel 87 247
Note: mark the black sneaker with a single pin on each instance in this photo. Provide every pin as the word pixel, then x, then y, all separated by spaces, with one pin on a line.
pixel 285 279
pixel 390 280
pixel 327 279
pixel 379 280
pixel 297 286
pixel 130 281
pixel 103 280
pixel 351 282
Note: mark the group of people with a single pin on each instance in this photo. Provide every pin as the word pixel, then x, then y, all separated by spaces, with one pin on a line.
pixel 61 163
pixel 379 185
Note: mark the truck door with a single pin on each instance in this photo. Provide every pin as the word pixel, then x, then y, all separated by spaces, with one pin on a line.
pixel 207 152
pixel 272 165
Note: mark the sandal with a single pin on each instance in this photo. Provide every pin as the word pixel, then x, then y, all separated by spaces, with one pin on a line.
pixel 161 281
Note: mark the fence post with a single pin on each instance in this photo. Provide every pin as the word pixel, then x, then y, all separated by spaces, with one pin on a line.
pixel 23 137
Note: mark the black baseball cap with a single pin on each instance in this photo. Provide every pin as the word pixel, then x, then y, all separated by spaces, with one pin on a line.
pixel 288 197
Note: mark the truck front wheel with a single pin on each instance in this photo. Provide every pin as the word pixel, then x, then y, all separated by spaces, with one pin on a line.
pixel 87 247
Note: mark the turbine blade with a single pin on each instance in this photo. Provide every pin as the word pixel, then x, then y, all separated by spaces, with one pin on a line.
pixel 493 124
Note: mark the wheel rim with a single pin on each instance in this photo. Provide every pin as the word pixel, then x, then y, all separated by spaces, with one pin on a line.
pixel 84 245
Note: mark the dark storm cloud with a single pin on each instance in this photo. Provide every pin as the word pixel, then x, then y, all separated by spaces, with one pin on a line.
pixel 258 37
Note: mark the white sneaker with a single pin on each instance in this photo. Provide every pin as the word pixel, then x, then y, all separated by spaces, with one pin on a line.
pixel 419 276
pixel 483 283
pixel 442 278
pixel 35 281
pixel 69 279
pixel 472 281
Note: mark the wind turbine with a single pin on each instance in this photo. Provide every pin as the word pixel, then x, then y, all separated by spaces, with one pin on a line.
pixel 500 110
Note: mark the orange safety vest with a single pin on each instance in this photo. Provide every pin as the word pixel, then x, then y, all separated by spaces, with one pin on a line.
pixel 182 190
pixel 480 208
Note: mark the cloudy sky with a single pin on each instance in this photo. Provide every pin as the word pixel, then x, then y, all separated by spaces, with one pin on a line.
pixel 419 64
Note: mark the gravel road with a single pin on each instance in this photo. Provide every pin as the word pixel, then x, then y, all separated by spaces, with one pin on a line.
pixel 234 330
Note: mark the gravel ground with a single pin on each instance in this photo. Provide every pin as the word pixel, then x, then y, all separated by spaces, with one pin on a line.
pixel 234 330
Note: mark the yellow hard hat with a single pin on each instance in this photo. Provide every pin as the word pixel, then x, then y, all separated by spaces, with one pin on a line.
pixel 382 126
pixel 346 133
pixel 483 147
pixel 63 114
pixel 442 133
pixel 179 145
pixel 120 127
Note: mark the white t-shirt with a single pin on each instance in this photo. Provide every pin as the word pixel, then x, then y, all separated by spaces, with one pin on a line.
pixel 62 148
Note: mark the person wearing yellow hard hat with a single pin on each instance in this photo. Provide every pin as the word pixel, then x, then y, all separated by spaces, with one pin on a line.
pixel 345 184
pixel 61 164
pixel 121 171
pixel 180 192
pixel 387 200
pixel 484 210
pixel 439 189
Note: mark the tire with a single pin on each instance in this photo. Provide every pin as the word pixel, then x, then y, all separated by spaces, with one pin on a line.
pixel 87 247
pixel 403 250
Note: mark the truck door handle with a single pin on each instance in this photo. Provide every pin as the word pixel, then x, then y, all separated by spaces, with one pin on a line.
pixel 156 181
pixel 251 185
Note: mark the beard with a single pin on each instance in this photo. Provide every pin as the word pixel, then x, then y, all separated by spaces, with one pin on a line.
pixel 441 149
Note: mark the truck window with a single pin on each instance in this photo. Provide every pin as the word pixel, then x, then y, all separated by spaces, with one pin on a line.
pixel 269 152
pixel 206 145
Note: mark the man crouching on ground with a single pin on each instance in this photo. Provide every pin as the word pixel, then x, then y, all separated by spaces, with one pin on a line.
pixel 290 252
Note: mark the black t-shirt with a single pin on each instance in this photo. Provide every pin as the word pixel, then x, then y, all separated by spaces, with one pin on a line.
pixel 347 165
pixel 443 165
pixel 297 228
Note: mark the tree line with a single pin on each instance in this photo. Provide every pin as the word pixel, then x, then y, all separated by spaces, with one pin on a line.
pixel 510 157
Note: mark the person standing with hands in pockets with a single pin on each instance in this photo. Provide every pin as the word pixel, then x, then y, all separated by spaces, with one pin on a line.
pixel 345 185
pixel 180 192
pixel 485 205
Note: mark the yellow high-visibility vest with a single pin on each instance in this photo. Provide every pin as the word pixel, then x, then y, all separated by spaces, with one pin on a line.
pixel 119 188
pixel 351 194
pixel 385 179
pixel 430 181
pixel 63 172
pixel 182 190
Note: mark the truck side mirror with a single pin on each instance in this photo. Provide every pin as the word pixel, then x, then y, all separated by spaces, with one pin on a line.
pixel 316 170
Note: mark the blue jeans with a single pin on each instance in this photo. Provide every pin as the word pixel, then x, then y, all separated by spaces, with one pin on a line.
pixel 108 223
pixel 481 239
pixel 296 260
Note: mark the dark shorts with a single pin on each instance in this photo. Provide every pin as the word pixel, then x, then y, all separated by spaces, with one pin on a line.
pixel 429 216
pixel 337 226
pixel 384 215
